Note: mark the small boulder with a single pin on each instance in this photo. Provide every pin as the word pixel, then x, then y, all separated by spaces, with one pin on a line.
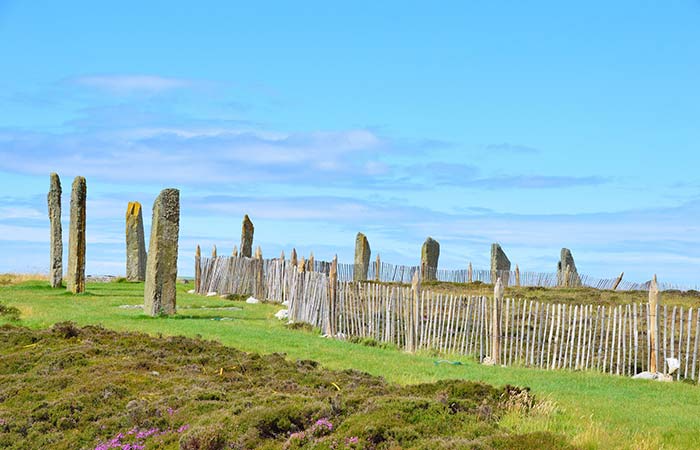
pixel 282 314
pixel 252 300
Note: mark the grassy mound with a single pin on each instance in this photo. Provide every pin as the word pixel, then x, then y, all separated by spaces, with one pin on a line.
pixel 70 387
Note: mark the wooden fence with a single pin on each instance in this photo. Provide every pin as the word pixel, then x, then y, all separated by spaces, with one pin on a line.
pixel 609 339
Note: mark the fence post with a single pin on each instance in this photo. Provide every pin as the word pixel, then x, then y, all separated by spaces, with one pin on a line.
pixel 412 313
pixel 332 329
pixel 470 273
pixel 495 322
pixel 618 281
pixel 517 276
pixel 259 275
pixel 283 277
pixel 654 300
pixel 213 252
pixel 197 270
pixel 312 262
pixel 234 253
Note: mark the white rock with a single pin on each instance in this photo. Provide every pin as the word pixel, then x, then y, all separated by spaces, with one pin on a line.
pixel 252 300
pixel 285 303
pixel 341 336
pixel 673 365
pixel 211 294
pixel 191 291
pixel 658 376
pixel 488 361
pixel 645 376
pixel 282 314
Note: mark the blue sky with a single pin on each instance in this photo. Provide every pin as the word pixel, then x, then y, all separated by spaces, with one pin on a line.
pixel 534 124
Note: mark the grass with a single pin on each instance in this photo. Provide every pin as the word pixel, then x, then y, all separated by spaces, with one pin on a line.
pixel 7 279
pixel 592 410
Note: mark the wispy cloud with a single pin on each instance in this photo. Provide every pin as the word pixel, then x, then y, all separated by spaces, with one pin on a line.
pixel 181 154
pixel 512 148
pixel 129 84
pixel 538 182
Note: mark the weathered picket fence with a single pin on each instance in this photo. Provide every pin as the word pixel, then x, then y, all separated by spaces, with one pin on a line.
pixel 391 273
pixel 607 338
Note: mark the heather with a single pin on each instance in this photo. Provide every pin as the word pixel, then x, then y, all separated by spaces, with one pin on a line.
pixel 71 387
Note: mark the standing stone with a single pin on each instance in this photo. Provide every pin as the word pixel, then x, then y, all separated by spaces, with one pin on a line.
pixel 500 265
pixel 567 275
pixel 247 237
pixel 76 237
pixel 362 254
pixel 429 255
pixel 135 243
pixel 161 273
pixel 56 251
pixel 293 258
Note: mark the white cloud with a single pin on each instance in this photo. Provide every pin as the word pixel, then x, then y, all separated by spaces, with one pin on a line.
pixel 127 84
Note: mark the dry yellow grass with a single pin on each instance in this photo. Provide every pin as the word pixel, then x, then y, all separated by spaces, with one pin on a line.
pixel 7 279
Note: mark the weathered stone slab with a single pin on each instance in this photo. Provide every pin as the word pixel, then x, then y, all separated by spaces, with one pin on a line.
pixel 56 249
pixel 247 237
pixel 429 255
pixel 567 275
pixel 500 265
pixel 161 272
pixel 362 254
pixel 135 243
pixel 75 281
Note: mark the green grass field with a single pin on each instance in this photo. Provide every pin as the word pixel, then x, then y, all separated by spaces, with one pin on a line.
pixel 593 410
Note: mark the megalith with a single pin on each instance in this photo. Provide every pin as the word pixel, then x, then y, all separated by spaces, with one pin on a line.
pixel 247 237
pixel 161 272
pixel 135 243
pixel 429 255
pixel 56 249
pixel 567 275
pixel 500 265
pixel 362 254
pixel 75 282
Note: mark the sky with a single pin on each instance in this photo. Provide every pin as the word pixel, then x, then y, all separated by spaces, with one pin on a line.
pixel 537 125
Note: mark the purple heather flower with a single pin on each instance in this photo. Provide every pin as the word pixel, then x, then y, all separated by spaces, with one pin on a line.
pixel 183 428
pixel 323 423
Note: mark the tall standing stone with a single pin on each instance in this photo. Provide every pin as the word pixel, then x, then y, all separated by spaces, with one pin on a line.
pixel 135 243
pixel 429 255
pixel 56 250
pixel 161 273
pixel 76 237
pixel 567 275
pixel 362 254
pixel 500 265
pixel 247 237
